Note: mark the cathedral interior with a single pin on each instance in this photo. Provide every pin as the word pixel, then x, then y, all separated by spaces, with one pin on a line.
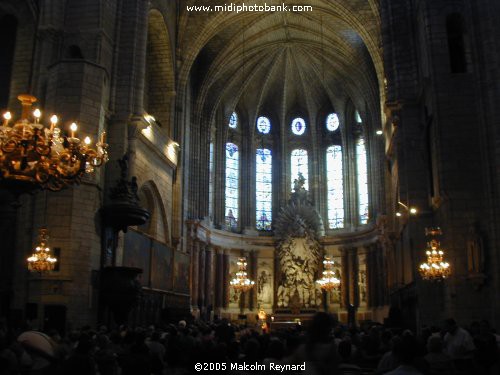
pixel 262 140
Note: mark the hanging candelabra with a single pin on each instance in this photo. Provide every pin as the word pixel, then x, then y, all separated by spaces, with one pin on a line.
pixel 40 260
pixel 435 269
pixel 329 281
pixel 241 282
pixel 42 156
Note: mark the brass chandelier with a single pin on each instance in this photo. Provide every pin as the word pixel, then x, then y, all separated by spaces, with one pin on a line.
pixel 329 281
pixel 241 282
pixel 43 156
pixel 40 260
pixel 435 269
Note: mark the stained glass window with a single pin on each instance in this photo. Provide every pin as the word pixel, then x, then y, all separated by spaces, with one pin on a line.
pixel 298 162
pixel 335 185
pixel 362 177
pixel 211 180
pixel 263 189
pixel 263 125
pixel 232 185
pixel 332 122
pixel 298 126
pixel 357 117
pixel 233 121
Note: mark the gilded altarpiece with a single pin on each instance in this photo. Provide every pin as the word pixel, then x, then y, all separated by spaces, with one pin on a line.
pixel 298 254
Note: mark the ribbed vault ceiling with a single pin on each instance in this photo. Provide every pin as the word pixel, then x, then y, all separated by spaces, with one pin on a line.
pixel 283 62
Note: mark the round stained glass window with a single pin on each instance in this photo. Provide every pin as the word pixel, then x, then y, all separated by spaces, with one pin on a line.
pixel 298 126
pixel 233 121
pixel 332 122
pixel 263 125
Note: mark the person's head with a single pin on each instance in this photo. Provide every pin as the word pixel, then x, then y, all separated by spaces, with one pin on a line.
pixel 434 344
pixel 275 349
pixel 345 350
pixel 252 349
pixel 405 349
pixel 474 328
pixel 320 328
pixel 484 327
pixel 450 325
pixel 85 344
pixel 182 324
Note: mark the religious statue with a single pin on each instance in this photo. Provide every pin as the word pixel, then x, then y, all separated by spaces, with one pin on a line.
pixel 230 219
pixel 264 287
pixel 123 163
pixel 299 193
pixel 124 189
pixel 475 250
pixel 362 286
pixel 299 262
pixel 298 183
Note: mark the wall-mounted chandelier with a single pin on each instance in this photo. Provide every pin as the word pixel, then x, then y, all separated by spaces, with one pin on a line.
pixel 329 281
pixel 241 282
pixel 40 260
pixel 44 156
pixel 435 268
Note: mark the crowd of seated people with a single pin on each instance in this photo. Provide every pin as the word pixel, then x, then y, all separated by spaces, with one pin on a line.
pixel 325 347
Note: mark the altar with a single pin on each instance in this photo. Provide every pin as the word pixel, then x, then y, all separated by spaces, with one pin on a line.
pixel 285 267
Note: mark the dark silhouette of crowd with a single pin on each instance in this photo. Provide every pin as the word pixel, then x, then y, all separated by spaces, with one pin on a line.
pixel 322 345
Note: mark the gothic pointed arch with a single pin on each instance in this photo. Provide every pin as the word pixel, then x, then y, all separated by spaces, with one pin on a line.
pixel 157 226
pixel 159 81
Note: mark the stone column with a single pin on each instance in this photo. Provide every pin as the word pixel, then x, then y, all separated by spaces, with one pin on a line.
pixel 225 279
pixel 354 275
pixel 252 274
pixel 219 283
pixel 201 277
pixel 381 275
pixel 371 272
pixel 194 275
pixel 209 275
pixel 344 298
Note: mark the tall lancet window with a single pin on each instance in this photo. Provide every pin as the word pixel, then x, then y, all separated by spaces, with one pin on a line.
pixel 298 162
pixel 263 189
pixel 232 176
pixel 233 121
pixel 211 180
pixel 232 185
pixel 335 184
pixel 362 173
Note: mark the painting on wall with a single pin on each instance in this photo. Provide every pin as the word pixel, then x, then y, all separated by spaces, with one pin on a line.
pixel 161 266
pixel 181 272
pixel 265 282
pixel 137 253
